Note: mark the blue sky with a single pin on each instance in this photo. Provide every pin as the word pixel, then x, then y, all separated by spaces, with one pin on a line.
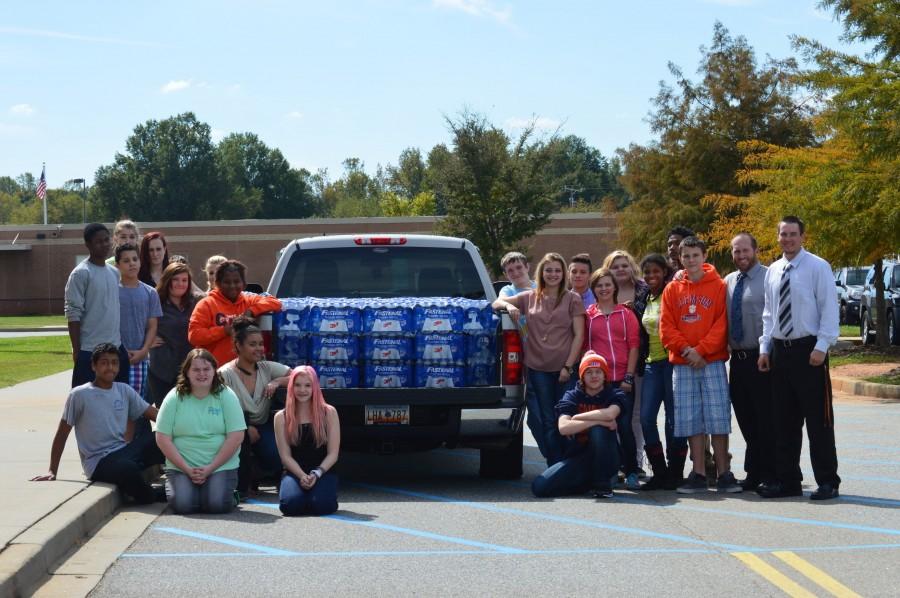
pixel 324 81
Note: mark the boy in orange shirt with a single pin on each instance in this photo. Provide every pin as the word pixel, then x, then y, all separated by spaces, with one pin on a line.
pixel 694 328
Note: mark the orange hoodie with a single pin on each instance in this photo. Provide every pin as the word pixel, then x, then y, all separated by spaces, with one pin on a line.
pixel 693 315
pixel 207 327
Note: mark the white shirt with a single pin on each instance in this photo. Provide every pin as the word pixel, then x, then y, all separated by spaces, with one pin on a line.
pixel 814 309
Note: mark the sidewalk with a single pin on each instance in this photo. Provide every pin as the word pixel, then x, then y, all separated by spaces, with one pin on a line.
pixel 43 521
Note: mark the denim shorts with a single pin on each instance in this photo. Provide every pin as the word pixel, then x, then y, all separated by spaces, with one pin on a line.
pixel 702 402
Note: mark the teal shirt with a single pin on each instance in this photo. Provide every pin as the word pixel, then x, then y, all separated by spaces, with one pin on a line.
pixel 198 426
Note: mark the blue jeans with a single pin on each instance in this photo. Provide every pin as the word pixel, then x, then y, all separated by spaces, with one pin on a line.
pixel 125 467
pixel 656 391
pixel 591 466
pixel 83 373
pixel 626 432
pixel 264 453
pixel 215 495
pixel 543 393
pixel 321 499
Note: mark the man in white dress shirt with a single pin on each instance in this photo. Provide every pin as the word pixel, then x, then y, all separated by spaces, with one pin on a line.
pixel 800 324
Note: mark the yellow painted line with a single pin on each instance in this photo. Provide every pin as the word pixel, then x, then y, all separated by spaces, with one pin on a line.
pixel 773 575
pixel 817 575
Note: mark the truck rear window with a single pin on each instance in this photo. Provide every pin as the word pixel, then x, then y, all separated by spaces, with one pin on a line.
pixel 381 272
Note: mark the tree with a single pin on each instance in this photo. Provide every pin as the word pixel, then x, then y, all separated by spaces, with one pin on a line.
pixel 848 189
pixel 168 172
pixel 355 194
pixel 263 179
pixel 699 127
pixel 391 204
pixel 496 191
pixel 580 171
pixel 410 177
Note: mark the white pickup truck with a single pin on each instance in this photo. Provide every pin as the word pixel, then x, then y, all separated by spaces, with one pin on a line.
pixel 488 418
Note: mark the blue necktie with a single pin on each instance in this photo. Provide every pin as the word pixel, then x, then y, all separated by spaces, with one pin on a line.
pixel 737 314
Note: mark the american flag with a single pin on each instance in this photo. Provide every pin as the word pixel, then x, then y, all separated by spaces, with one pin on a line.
pixel 42 186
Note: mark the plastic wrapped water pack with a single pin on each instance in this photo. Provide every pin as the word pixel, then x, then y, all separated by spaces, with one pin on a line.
pixel 481 374
pixel 334 347
pixel 481 348
pixel 440 347
pixel 379 347
pixel 388 375
pixel 334 318
pixel 385 319
pixel 337 374
pixel 432 375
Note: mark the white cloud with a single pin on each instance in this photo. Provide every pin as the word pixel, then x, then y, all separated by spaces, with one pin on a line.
pixel 233 88
pixel 22 110
pixel 175 85
pixel 294 115
pixel 541 123
pixel 476 8
pixel 76 37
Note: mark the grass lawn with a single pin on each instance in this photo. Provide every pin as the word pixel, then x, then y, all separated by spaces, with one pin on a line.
pixel 836 360
pixel 893 378
pixel 33 357
pixel 31 321
pixel 849 330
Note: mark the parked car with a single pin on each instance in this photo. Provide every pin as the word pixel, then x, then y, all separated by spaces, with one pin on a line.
pixel 850 282
pixel 891 277
pixel 405 268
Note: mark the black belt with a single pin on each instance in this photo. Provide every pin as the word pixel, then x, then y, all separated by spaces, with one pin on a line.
pixel 743 354
pixel 790 342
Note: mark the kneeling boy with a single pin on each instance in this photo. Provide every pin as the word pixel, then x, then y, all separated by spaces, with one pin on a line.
pixel 588 412
pixel 99 412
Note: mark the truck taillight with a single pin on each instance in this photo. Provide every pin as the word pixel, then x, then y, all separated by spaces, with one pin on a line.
pixel 512 358
pixel 267 343
pixel 380 240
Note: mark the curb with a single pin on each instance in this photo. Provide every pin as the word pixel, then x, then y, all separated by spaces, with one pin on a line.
pixel 866 389
pixel 60 329
pixel 30 557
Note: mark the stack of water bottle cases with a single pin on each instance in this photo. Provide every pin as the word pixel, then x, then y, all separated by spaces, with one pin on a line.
pixel 390 343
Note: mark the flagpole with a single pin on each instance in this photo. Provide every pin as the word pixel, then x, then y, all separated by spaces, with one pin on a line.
pixel 43 172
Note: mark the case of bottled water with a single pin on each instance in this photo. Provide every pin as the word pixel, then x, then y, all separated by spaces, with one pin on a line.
pixel 334 317
pixel 440 346
pixel 431 375
pixel 383 319
pixel 379 347
pixel 337 374
pixel 334 347
pixel 481 374
pixel 388 375
pixel 481 348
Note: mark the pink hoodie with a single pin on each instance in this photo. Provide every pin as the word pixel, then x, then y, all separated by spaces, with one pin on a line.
pixel 612 336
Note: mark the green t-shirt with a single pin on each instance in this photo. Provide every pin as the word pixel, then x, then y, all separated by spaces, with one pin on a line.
pixel 198 426
pixel 650 321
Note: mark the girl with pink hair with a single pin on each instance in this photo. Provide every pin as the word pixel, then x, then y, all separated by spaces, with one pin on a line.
pixel 308 435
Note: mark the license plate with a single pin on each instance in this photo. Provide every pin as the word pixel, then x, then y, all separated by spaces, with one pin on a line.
pixel 387 415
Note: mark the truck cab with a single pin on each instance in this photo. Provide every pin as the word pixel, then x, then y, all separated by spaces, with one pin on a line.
pixel 377 267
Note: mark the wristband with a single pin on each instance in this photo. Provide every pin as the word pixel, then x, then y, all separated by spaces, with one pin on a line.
pixel 318 473
pixel 628 379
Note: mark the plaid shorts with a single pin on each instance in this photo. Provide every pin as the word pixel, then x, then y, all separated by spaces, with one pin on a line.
pixel 137 376
pixel 702 403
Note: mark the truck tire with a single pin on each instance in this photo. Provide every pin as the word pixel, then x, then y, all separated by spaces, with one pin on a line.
pixel 503 464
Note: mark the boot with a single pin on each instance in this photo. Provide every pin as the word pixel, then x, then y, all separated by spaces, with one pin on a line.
pixel 676 468
pixel 658 464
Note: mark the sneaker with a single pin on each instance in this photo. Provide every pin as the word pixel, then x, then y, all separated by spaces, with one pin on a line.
pixel 727 483
pixel 631 482
pixel 694 484
pixel 641 474
pixel 602 493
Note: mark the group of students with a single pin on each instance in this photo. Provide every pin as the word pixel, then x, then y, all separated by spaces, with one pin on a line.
pixel 605 349
pixel 149 345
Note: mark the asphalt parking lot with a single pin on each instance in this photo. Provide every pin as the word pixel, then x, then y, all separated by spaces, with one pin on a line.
pixel 426 524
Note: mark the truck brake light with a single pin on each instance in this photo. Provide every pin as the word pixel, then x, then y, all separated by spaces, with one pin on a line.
pixel 380 240
pixel 512 358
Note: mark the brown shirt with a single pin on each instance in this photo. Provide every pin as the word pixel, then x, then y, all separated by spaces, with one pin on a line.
pixel 550 331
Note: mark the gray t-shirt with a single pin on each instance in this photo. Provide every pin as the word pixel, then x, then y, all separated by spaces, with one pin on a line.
pixel 257 407
pixel 92 298
pixel 99 417
pixel 136 305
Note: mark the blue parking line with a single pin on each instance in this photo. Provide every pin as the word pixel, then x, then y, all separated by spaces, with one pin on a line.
pixel 556 518
pixel 429 535
pixel 868 500
pixel 408 531
pixel 227 541
pixel 764 517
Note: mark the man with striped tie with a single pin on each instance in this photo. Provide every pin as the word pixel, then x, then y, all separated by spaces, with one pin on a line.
pixel 800 323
